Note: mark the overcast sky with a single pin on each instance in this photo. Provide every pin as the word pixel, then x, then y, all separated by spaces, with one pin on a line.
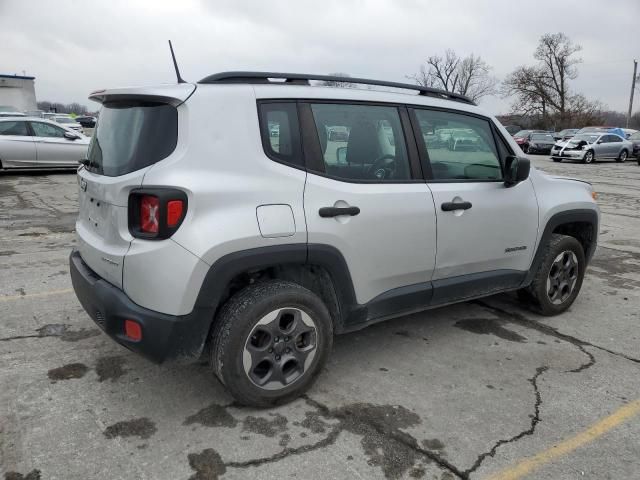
pixel 74 47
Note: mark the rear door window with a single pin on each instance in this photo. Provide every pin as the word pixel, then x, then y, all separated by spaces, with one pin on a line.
pixel 362 142
pixel 131 135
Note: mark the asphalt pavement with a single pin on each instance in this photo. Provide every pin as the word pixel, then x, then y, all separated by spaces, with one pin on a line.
pixel 479 390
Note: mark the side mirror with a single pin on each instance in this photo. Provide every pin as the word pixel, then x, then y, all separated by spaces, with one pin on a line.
pixel 516 170
pixel 341 155
pixel 71 136
pixel 599 142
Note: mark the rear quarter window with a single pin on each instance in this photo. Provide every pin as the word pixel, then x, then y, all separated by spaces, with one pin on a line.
pixel 131 135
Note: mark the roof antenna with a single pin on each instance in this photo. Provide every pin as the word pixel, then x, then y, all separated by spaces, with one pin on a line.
pixel 175 64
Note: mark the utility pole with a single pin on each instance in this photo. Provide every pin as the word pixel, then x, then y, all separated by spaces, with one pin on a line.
pixel 633 87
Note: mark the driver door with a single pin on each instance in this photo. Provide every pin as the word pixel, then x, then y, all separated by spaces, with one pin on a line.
pixel 363 196
pixel 486 231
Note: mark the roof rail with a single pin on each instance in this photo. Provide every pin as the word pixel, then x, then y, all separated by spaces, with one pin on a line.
pixel 303 79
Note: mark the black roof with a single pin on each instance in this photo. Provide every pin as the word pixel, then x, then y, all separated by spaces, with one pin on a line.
pixel 304 78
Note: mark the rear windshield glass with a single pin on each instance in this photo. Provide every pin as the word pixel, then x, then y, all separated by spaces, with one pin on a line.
pixel 132 135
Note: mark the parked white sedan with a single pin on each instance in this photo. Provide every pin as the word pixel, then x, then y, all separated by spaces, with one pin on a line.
pixel 37 143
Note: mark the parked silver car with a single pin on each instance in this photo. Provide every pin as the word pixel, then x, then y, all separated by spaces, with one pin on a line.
pixel 34 142
pixel 67 122
pixel 589 147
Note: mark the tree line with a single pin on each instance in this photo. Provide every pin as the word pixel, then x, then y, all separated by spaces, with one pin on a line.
pixel 541 92
pixel 76 108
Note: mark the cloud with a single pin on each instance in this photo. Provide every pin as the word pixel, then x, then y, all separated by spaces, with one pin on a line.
pixel 74 47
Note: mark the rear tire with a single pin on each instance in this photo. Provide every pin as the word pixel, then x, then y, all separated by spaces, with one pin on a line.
pixel 557 160
pixel 269 342
pixel 623 156
pixel 559 276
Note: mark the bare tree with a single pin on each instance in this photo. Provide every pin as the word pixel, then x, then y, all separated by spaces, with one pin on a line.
pixel 543 89
pixel 469 76
pixel 557 66
pixel 337 83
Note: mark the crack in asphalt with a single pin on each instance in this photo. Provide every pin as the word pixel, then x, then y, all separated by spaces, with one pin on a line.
pixel 287 452
pixel 397 435
pixel 59 330
pixel 519 319
pixel 535 419
pixel 20 337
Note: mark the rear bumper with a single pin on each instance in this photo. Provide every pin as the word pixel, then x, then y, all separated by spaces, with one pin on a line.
pixel 164 337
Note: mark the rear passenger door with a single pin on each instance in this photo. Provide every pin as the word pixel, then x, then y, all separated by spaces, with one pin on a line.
pixel 16 145
pixel 614 145
pixel 364 195
pixel 486 231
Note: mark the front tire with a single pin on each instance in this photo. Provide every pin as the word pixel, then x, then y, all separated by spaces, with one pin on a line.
pixel 557 160
pixel 589 157
pixel 623 156
pixel 558 279
pixel 269 342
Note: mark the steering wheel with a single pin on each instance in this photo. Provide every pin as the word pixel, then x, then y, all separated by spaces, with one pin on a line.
pixel 383 168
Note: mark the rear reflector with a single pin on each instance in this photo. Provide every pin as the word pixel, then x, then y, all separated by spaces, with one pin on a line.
pixel 174 212
pixel 133 330
pixel 149 214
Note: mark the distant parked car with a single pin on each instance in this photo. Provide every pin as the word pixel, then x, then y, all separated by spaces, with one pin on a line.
pixel 86 121
pixel 34 142
pixel 565 134
pixel 512 129
pixel 615 130
pixel 68 122
pixel 635 142
pixel 338 134
pixel 628 132
pixel 522 136
pixel 11 114
pixel 538 143
pixel 589 147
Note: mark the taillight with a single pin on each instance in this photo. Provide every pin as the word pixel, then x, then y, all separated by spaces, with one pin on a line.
pixel 156 213
pixel 174 212
pixel 149 214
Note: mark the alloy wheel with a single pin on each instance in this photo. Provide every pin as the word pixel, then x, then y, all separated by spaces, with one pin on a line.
pixel 588 158
pixel 280 348
pixel 562 277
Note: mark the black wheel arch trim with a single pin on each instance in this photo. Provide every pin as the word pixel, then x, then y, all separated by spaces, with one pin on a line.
pixel 562 218
pixel 222 272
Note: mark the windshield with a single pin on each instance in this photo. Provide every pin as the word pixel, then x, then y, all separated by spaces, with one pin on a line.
pixel 585 137
pixel 522 133
pixel 542 136
pixel 131 135
pixel 635 136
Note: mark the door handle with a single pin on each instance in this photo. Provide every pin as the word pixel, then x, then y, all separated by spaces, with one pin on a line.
pixel 451 206
pixel 327 212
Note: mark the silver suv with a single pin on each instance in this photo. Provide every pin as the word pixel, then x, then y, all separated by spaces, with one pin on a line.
pixel 228 219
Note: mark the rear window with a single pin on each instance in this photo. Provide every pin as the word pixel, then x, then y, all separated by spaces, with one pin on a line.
pixel 132 135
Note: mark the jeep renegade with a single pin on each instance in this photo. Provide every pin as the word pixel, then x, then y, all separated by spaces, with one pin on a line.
pixel 251 216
